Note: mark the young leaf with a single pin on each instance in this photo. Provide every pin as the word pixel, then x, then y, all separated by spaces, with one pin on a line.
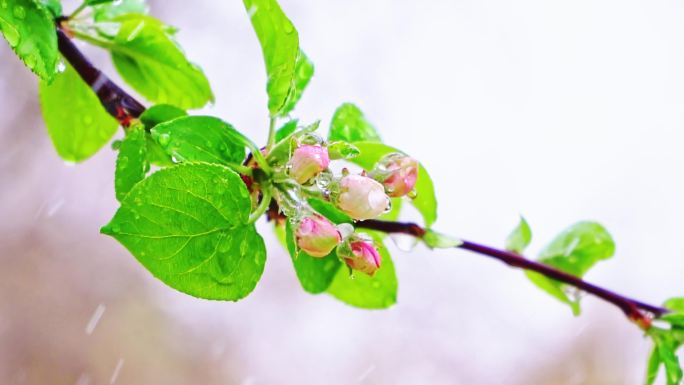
pixel 280 46
pixel 160 113
pixel 519 238
pixel 653 366
pixel 342 150
pixel 199 139
pixel 151 62
pixel 315 274
pixel 329 211
pixel 113 9
pixel 350 125
pixel 665 345
pixel 425 201
pixel 360 290
pixel 30 30
pixel 131 164
pixel 435 240
pixel 304 70
pixel 188 225
pixel 286 130
pixel 76 121
pixel 574 251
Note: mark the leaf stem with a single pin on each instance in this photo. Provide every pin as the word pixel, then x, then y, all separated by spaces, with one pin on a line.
pixel 263 205
pixel 78 10
pixel 637 311
pixel 271 133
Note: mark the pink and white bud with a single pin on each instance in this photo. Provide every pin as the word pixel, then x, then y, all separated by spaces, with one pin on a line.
pixel 398 173
pixel 360 255
pixel 317 236
pixel 307 161
pixel 361 197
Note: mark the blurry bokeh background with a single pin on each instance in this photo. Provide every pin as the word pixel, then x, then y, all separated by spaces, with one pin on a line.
pixel 558 110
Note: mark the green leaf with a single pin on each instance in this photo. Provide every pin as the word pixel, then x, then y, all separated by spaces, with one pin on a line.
pixel 360 290
pixel 280 46
pixel 520 237
pixel 160 113
pixel 666 345
pixel 131 164
pixel 286 130
pixel 315 274
pixel 76 121
pixel 350 125
pixel 425 201
pixel 188 225
pixel 30 30
pixel 435 240
pixel 111 10
pixel 152 62
pixel 675 304
pixel 575 251
pixel 199 139
pixel 303 72
pixel 653 366
pixel 329 211
pixel 54 6
pixel 342 150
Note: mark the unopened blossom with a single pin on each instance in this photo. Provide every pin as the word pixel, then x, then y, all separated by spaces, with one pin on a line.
pixel 360 255
pixel 317 236
pixel 307 161
pixel 398 173
pixel 361 197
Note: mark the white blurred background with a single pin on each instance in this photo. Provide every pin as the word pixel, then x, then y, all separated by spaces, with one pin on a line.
pixel 557 110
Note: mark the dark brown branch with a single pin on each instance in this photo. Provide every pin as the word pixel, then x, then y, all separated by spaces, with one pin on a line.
pixel 118 103
pixel 636 311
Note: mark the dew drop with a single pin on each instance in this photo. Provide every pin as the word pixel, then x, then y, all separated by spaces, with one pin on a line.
pixel 404 242
pixel 164 139
pixel 288 27
pixel 389 207
pixel 87 119
pixel 123 161
pixel 376 284
pixel 61 67
pixel 413 194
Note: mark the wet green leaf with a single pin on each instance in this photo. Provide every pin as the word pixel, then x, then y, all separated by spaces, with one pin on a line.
pixel 188 225
pixel 303 73
pixel 199 139
pixel 29 28
pixel 76 121
pixel 131 164
pixel 280 46
pixel 519 238
pixel 349 124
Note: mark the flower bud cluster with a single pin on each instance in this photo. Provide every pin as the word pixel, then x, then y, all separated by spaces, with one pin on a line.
pixel 360 196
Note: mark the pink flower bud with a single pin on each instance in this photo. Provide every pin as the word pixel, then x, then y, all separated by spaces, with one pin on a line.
pixel 360 255
pixel 307 161
pixel 398 173
pixel 317 236
pixel 362 197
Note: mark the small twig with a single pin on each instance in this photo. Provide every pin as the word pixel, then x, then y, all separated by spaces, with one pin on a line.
pixel 636 311
pixel 118 103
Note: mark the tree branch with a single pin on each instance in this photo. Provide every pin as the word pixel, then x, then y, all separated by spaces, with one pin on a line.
pixel 637 311
pixel 125 108
pixel 118 103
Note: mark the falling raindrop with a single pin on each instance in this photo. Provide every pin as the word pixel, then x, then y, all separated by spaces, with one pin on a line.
pixel 116 372
pixel 95 319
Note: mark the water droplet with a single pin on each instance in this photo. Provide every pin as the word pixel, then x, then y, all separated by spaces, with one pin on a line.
pixel 3 4
pixel 123 161
pixel 288 27
pixel 19 12
pixel 164 140
pixel 404 242
pixel 61 67
pixel 116 228
pixel 87 119
pixel 413 194
pixel 252 10
pixel 375 284
pixel 389 207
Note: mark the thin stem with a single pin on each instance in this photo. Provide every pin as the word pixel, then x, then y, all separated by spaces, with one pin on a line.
pixel 263 205
pixel 78 10
pixel 635 310
pixel 271 134
pixel 240 168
